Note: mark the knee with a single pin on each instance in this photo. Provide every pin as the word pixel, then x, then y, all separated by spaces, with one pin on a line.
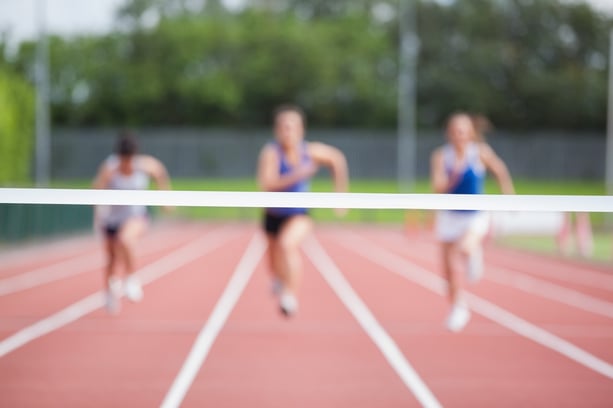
pixel 288 245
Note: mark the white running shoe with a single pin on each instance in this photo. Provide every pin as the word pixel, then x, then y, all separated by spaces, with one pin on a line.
pixel 458 318
pixel 288 304
pixel 474 266
pixel 111 302
pixel 133 289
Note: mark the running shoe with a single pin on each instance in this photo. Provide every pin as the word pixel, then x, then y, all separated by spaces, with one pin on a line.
pixel 111 302
pixel 133 289
pixel 288 304
pixel 458 318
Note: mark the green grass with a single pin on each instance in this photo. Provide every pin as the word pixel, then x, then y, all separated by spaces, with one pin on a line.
pixel 603 245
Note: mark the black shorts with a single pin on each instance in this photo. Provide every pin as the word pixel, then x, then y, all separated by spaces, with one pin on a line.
pixel 111 230
pixel 273 223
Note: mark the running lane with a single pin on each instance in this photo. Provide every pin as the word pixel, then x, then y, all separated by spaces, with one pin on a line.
pixel 319 358
pixel 485 365
pixel 130 359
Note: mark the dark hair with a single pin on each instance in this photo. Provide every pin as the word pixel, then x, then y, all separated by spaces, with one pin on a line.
pixel 287 107
pixel 126 145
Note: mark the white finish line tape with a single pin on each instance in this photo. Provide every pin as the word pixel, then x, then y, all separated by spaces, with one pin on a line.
pixel 489 202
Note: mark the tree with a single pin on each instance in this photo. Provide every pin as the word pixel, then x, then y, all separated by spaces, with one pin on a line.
pixel 16 128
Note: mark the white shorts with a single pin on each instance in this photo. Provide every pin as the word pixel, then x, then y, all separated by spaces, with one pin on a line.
pixel 452 225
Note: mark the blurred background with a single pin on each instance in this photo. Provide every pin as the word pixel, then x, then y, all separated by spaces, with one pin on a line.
pixel 198 79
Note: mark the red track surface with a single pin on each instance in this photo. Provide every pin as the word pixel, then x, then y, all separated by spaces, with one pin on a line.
pixel 322 357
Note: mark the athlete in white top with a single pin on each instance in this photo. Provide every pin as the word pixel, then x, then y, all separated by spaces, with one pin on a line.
pixel 124 224
pixel 459 167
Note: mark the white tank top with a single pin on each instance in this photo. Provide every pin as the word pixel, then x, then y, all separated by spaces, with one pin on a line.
pixel 138 180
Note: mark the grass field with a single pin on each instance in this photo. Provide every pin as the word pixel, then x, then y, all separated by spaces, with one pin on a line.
pixel 603 245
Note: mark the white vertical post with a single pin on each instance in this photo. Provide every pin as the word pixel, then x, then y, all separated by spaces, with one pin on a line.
pixel 43 145
pixel 407 68
pixel 609 157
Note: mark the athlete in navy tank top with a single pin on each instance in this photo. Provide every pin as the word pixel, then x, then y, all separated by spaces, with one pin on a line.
pixel 287 165
pixel 300 186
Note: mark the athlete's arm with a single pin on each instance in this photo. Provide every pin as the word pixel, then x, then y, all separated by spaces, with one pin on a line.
pixel 439 181
pixel 102 177
pixel 332 158
pixel 157 171
pixel 268 176
pixel 497 167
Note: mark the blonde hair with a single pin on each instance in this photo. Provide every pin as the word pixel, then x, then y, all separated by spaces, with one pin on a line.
pixel 482 126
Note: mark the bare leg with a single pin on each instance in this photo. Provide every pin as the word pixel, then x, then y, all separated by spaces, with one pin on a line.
pixel 459 314
pixel 130 231
pixel 288 256
pixel 452 283
pixel 286 260
pixel 563 237
pixel 110 270
pixel 110 276
pixel 585 239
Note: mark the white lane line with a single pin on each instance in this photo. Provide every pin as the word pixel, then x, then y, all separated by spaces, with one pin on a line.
pixel 550 291
pixel 527 283
pixel 50 273
pixel 20 254
pixel 69 268
pixel 199 351
pixel 148 274
pixel 428 280
pixel 581 275
pixel 369 323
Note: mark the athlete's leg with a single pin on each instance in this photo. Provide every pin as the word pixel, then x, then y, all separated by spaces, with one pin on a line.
pixel 564 235
pixel 453 287
pixel 131 230
pixel 471 245
pixel 274 261
pixel 111 282
pixel 459 313
pixel 110 270
pixel 289 259
pixel 585 239
pixel 291 236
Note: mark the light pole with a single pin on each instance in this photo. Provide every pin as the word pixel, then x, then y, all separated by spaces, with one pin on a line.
pixel 43 145
pixel 609 158
pixel 407 68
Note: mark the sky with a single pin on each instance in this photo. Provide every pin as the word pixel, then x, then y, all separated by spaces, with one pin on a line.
pixel 18 17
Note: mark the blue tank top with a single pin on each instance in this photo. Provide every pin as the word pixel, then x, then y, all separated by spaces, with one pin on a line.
pixel 300 187
pixel 472 179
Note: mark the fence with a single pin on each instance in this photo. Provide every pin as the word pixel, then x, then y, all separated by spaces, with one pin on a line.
pixel 222 153
pixel 372 154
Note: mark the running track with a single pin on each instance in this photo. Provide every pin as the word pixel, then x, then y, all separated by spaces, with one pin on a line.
pixel 369 332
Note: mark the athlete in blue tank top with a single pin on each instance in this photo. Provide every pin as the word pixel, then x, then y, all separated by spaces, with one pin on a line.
pixel 459 167
pixel 287 165
pixel 471 178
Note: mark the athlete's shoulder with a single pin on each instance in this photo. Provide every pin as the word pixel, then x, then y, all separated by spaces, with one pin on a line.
pixel 111 161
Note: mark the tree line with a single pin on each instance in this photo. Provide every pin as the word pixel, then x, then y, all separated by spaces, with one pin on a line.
pixel 526 64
